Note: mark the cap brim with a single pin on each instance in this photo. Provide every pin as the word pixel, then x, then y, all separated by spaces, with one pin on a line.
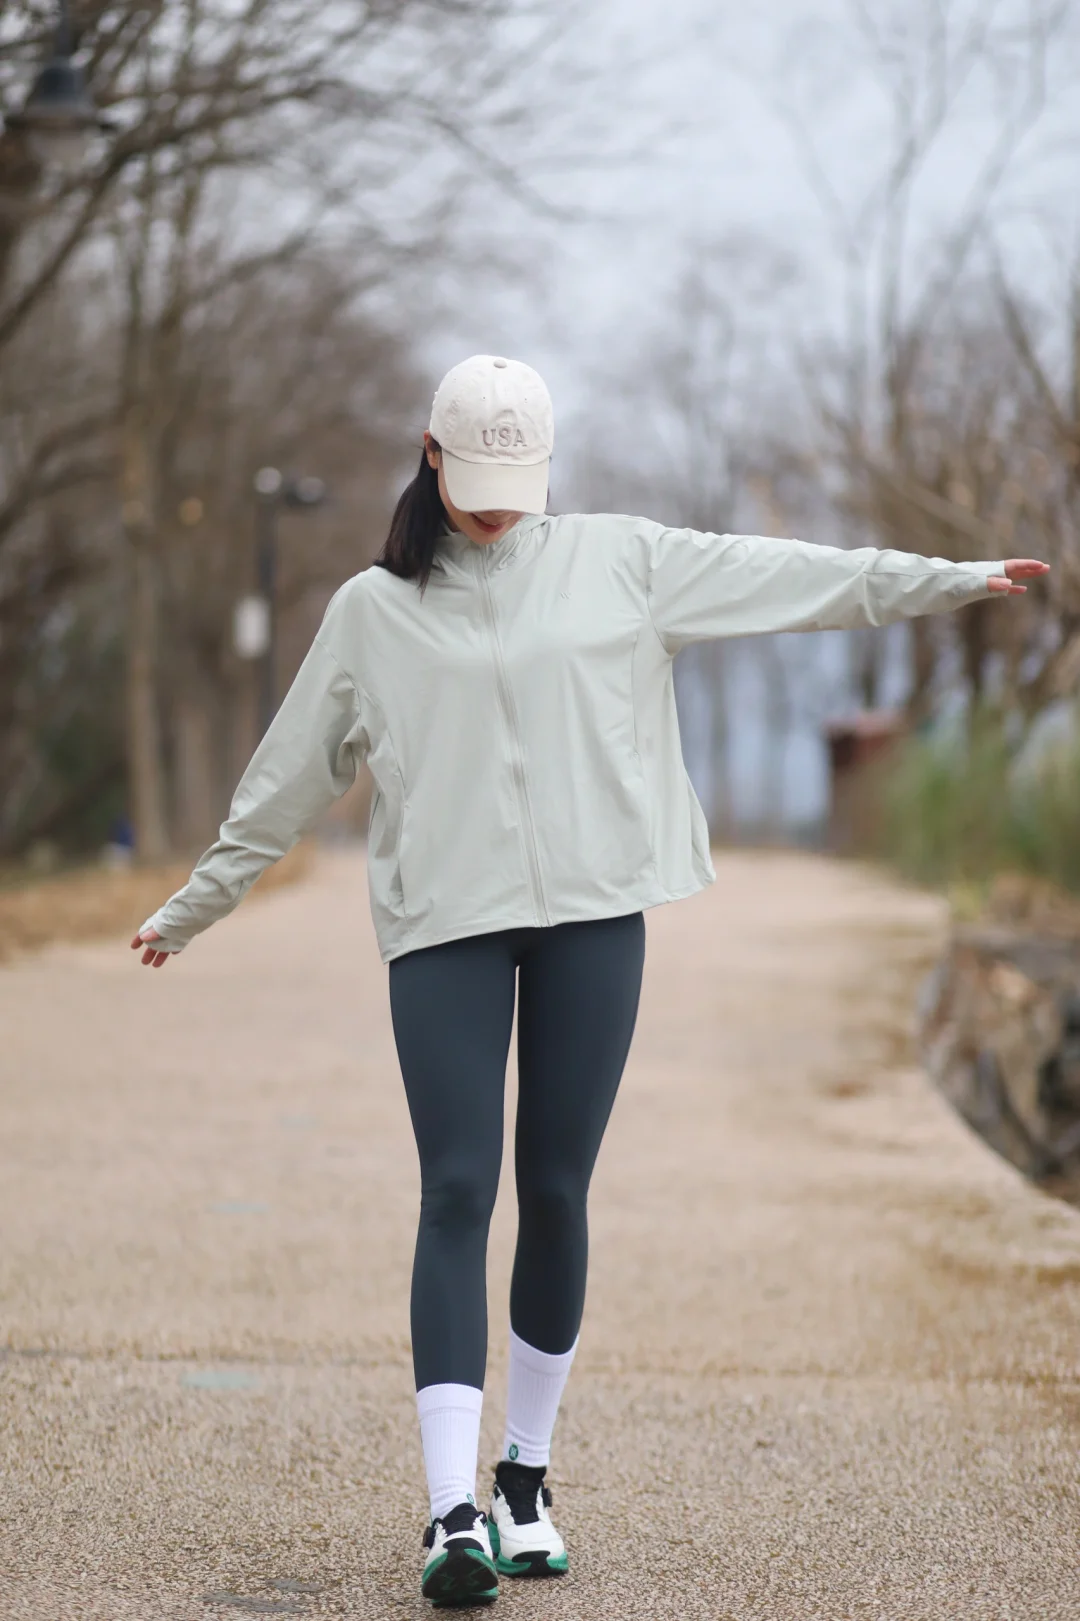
pixel 496 486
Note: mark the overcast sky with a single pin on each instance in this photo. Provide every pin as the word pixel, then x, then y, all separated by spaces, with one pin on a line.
pixel 713 83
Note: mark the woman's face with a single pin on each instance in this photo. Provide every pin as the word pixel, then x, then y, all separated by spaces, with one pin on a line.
pixel 480 527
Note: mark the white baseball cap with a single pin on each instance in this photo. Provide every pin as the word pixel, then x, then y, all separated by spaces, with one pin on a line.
pixel 495 423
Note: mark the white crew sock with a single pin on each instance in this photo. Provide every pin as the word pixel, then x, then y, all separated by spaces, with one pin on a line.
pixel 450 1433
pixel 532 1402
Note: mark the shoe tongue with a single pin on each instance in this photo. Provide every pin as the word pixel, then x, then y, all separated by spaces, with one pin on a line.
pixel 461 1518
pixel 520 1485
pixel 526 1473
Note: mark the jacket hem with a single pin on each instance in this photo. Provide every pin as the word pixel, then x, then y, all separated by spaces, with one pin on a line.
pixel 528 920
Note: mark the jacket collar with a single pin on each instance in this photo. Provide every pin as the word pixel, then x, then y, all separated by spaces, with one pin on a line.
pixel 458 548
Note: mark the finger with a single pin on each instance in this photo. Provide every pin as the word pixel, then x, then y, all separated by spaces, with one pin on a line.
pixel 148 955
pixel 1025 568
pixel 137 942
pixel 1003 587
pixel 161 958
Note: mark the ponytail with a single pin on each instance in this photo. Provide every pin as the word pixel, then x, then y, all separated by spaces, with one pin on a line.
pixel 419 519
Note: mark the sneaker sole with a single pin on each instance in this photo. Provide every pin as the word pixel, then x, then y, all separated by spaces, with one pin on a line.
pixel 534 1563
pixel 462 1577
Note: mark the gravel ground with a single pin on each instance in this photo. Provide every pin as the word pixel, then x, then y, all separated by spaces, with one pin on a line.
pixel 831 1359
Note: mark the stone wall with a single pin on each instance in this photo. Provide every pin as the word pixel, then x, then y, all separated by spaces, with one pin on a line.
pixel 999 1031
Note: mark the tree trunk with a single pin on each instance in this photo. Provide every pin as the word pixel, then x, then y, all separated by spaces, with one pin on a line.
pixel 923 669
pixel 775 739
pixel 867 662
pixel 196 797
pixel 721 816
pixel 971 627
pixel 146 784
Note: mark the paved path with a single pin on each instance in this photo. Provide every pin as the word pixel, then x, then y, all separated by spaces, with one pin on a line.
pixel 831 1359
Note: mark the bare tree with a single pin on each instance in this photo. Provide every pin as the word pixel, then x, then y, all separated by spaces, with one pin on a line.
pixel 917 404
pixel 252 142
pixel 290 366
pixel 1044 496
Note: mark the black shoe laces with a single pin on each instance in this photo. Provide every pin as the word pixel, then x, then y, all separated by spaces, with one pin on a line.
pixel 519 1484
pixel 461 1518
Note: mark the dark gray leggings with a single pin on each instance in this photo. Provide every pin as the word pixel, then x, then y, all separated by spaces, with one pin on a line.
pixel 452 1007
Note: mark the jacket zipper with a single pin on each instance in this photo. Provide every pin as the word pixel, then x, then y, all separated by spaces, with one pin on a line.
pixel 517 763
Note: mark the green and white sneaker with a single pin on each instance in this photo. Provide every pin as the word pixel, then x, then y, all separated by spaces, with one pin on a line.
pixel 524 1541
pixel 459 1568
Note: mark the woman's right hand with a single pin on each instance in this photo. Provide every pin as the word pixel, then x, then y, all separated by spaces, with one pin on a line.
pixel 150 957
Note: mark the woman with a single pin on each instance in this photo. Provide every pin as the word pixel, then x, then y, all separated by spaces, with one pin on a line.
pixel 507 677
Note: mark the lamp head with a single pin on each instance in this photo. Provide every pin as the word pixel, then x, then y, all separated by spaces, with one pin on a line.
pixel 59 118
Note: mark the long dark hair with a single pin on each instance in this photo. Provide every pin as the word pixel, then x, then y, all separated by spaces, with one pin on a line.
pixel 418 521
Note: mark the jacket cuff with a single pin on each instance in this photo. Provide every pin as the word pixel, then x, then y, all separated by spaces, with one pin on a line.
pixel 164 943
pixel 988 571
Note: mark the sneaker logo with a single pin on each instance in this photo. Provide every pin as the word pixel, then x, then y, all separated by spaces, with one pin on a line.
pixel 513 1452
pixel 469 1498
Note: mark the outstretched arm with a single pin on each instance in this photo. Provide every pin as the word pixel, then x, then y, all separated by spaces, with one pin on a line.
pixel 308 758
pixel 705 585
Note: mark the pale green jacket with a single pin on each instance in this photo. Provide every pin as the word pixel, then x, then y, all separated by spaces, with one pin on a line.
pixel 518 718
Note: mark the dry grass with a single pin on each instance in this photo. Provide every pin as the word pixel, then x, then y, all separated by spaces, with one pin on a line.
pixel 98 901
pixel 1033 904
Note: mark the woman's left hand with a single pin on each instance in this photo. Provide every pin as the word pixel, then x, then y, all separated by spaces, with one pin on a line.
pixel 150 957
pixel 1017 568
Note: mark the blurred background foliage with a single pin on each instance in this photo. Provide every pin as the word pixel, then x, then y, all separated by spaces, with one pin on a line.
pixel 961 810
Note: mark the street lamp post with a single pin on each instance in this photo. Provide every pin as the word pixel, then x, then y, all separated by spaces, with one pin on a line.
pixel 269 484
pixel 255 623
pixel 52 130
